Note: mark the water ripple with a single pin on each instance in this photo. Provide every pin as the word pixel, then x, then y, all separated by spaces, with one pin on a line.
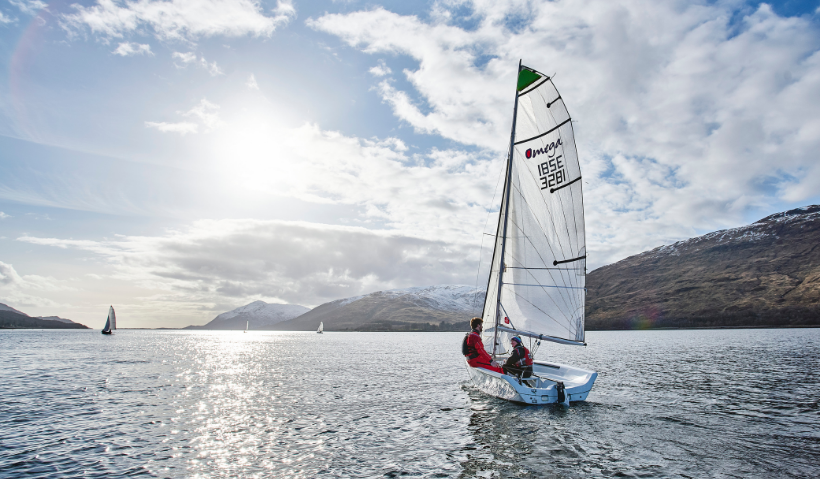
pixel 227 404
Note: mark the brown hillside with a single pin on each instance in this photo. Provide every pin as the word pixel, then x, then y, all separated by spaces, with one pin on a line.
pixel 763 274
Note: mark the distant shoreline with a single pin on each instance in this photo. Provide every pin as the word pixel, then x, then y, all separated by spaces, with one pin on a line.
pixel 694 328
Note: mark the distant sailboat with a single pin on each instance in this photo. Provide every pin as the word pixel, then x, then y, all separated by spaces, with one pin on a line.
pixel 321 327
pixel 111 322
pixel 247 323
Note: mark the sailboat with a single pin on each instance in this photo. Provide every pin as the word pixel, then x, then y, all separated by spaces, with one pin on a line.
pixel 537 284
pixel 111 322
pixel 247 323
pixel 321 327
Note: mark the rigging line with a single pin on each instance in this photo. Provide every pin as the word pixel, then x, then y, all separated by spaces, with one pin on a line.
pixel 545 286
pixel 546 132
pixel 481 249
pixel 495 245
pixel 507 211
pixel 559 269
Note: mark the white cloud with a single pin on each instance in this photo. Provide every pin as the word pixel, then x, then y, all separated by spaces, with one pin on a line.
pixel 685 122
pixel 182 128
pixel 127 49
pixel 5 19
pixel 20 291
pixel 252 83
pixel 295 262
pixel 206 112
pixel 178 19
pixel 4 216
pixel 381 70
pixel 29 7
pixel 190 57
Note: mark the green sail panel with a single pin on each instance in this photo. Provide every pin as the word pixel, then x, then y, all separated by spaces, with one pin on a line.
pixel 527 78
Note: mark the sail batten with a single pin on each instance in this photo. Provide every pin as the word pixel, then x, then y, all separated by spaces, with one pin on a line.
pixel 541 223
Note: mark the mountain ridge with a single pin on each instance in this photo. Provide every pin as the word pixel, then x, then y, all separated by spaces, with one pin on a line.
pixel 765 274
pixel 257 315
pixel 424 308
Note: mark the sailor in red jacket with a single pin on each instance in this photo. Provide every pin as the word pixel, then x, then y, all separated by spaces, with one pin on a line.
pixel 473 348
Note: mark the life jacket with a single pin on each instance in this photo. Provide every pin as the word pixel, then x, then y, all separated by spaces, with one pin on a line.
pixel 468 349
pixel 526 359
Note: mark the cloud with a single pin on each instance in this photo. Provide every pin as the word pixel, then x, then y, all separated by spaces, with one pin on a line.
pixel 20 291
pixel 381 69
pixel 29 7
pixel 296 262
pixel 4 216
pixel 190 57
pixel 411 193
pixel 5 19
pixel 252 83
pixel 178 19
pixel 686 120
pixel 128 49
pixel 182 128
pixel 206 112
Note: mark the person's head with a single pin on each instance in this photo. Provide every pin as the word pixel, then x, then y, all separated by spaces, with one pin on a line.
pixel 515 341
pixel 476 323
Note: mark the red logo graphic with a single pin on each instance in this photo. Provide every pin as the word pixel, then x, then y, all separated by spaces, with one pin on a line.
pixel 506 320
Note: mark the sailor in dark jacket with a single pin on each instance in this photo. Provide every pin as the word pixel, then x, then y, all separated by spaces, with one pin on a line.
pixel 520 362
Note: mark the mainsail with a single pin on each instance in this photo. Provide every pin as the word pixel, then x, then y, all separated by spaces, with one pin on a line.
pixel 538 273
pixel 111 321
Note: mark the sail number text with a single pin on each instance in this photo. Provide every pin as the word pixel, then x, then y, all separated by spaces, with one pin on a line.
pixel 552 172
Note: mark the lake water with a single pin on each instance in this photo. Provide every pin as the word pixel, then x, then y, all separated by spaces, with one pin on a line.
pixel 710 403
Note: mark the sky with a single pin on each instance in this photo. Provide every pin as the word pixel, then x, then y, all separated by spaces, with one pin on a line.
pixel 182 158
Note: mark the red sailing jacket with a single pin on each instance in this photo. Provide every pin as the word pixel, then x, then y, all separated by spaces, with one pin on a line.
pixel 476 346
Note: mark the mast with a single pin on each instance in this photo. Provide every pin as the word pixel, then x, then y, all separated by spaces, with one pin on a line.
pixel 506 201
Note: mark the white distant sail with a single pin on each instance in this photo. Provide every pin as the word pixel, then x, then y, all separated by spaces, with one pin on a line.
pixel 539 262
pixel 247 324
pixel 321 327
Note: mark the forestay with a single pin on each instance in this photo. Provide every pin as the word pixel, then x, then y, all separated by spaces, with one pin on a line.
pixel 539 262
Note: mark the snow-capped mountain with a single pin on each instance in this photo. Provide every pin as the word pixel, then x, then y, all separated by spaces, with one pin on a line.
pixel 763 274
pixel 259 315
pixel 441 307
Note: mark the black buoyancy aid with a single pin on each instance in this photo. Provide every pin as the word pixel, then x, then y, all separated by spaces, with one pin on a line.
pixel 468 349
pixel 524 354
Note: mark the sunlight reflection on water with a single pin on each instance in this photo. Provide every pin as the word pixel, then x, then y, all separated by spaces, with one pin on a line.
pixel 262 404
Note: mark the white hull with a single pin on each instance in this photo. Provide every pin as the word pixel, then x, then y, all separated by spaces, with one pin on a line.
pixel 540 390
